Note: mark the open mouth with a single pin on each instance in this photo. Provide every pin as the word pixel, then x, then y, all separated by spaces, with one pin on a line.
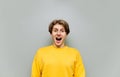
pixel 58 39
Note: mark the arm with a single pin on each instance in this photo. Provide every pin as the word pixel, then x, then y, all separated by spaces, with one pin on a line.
pixel 36 66
pixel 79 67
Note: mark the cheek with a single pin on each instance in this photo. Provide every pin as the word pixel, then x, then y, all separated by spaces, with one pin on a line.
pixel 64 34
pixel 53 34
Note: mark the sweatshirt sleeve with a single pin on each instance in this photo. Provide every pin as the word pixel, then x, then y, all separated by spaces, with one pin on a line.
pixel 36 66
pixel 79 67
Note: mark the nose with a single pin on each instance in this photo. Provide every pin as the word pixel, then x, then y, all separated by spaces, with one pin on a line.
pixel 58 33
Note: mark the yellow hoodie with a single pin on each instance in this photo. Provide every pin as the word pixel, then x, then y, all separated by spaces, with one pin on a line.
pixel 51 61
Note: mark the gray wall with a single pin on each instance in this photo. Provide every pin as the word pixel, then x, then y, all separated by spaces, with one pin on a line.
pixel 95 31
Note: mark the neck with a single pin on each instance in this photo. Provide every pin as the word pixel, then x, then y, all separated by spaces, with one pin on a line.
pixel 60 46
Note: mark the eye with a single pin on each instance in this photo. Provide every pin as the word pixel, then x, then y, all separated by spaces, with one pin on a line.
pixel 55 30
pixel 62 30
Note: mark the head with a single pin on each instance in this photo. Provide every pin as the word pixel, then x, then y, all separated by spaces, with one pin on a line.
pixel 59 29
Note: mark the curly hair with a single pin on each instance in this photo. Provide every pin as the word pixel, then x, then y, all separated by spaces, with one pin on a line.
pixel 61 22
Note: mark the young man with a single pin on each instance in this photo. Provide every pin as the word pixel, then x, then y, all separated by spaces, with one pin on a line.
pixel 58 60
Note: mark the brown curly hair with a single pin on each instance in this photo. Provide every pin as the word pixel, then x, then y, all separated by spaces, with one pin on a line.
pixel 61 22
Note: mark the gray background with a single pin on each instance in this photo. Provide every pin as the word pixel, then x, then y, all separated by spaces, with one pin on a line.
pixel 95 31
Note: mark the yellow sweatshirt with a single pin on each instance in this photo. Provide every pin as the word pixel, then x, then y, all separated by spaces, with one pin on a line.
pixel 51 61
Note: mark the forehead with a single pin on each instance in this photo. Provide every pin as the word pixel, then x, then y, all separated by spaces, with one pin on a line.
pixel 58 26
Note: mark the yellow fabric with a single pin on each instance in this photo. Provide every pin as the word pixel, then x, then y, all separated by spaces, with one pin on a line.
pixel 51 61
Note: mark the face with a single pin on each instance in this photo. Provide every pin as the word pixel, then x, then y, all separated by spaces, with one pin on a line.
pixel 58 35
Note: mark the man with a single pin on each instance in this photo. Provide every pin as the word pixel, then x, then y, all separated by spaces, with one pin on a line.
pixel 58 59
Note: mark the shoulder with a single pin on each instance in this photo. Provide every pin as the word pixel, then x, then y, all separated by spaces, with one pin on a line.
pixel 43 49
pixel 76 52
pixel 73 50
